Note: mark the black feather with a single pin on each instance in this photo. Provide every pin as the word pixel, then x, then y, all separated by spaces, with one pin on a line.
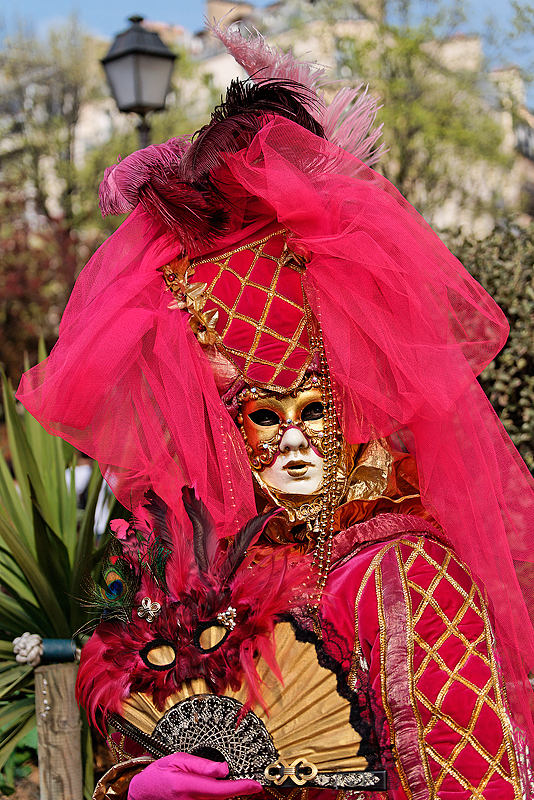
pixel 235 122
pixel 195 213
pixel 158 510
pixel 242 541
pixel 204 534
pixel 185 195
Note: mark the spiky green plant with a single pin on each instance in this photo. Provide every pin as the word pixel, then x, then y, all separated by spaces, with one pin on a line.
pixel 46 552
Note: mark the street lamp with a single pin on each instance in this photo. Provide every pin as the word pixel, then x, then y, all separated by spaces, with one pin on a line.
pixel 138 67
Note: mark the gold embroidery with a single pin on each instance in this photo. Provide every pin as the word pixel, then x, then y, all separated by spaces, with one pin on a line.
pixel 190 297
pixel 472 602
pixel 410 668
pixel 117 749
pixel 383 685
pixel 500 694
pixel 194 296
pixel 356 653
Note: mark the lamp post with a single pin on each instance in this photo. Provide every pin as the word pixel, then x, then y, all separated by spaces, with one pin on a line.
pixel 138 67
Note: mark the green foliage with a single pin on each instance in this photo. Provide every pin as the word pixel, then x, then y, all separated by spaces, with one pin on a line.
pixel 436 120
pixel 18 765
pixel 46 83
pixel 504 264
pixel 38 271
pixel 46 554
pixel 45 232
pixel 50 171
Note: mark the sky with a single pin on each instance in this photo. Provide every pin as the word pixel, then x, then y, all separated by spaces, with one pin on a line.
pixel 106 18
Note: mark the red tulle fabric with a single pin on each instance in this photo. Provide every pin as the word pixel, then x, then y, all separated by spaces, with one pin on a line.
pixel 128 385
pixel 406 331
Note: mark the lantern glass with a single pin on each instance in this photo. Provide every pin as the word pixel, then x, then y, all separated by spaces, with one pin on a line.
pixel 139 68
pixel 154 80
pixel 139 82
pixel 121 78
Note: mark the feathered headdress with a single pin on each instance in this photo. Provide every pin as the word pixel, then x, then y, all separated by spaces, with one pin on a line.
pixel 405 329
pixel 348 120
pixel 183 183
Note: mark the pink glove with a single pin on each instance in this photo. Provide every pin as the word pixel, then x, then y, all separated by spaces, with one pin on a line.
pixel 181 776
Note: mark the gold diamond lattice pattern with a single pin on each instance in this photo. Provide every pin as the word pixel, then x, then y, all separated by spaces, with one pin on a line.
pixel 262 321
pixel 463 719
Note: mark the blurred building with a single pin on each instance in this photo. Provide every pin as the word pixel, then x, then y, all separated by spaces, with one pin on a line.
pixel 294 24
pixel 313 29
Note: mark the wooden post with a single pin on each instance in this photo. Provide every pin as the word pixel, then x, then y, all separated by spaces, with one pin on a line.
pixel 58 733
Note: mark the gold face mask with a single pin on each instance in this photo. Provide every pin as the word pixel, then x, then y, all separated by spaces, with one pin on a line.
pixel 283 435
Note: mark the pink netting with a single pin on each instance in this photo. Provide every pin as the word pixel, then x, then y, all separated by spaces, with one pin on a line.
pixel 406 331
pixel 127 383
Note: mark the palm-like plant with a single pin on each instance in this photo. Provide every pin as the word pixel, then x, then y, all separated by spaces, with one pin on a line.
pixel 46 552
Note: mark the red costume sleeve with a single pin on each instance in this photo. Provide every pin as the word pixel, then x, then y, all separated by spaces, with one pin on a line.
pixel 424 636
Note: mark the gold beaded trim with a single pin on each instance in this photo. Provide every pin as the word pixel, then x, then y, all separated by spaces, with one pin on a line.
pixel 117 749
pixel 331 444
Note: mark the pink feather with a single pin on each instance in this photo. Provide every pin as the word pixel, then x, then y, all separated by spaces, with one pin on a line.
pixel 348 120
pixel 120 189
pixel 263 61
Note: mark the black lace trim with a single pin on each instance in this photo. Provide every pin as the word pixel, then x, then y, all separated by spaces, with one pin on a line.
pixel 331 649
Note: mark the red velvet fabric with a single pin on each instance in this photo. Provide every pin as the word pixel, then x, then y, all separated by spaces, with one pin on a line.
pixel 260 305
pixel 434 682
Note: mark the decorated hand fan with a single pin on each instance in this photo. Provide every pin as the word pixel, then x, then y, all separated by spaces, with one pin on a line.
pixel 186 649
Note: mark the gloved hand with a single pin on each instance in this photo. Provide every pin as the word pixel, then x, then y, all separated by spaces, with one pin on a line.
pixel 181 776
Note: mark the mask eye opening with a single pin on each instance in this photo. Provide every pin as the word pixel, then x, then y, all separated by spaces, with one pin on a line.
pixel 153 645
pixel 312 412
pixel 203 626
pixel 264 417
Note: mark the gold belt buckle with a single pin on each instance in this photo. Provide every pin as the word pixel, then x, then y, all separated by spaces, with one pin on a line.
pixel 300 771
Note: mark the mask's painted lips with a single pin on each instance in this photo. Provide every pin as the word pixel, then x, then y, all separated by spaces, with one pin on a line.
pixel 297 469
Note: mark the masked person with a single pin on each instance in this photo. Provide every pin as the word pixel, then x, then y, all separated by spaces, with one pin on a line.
pixel 276 327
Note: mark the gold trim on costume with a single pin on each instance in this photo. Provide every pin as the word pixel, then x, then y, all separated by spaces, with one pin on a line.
pixel 383 677
pixel 473 602
pixel 356 653
pixel 410 638
pixel 193 297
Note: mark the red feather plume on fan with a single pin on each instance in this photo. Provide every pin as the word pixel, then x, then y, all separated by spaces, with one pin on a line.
pixel 184 591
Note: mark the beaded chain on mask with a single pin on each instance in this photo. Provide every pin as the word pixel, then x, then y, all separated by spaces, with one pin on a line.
pixel 331 446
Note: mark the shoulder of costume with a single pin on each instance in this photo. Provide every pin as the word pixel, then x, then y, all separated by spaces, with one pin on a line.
pixel 382 529
pixel 421 550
